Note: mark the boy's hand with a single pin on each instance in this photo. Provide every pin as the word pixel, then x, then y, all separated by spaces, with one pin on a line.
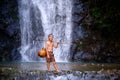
pixel 58 42
pixel 48 56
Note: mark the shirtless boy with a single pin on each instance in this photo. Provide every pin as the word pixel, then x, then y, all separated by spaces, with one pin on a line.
pixel 50 56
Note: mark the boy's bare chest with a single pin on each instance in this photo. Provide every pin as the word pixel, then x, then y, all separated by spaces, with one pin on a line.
pixel 50 45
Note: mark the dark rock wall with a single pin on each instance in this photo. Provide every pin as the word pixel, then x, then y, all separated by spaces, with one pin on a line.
pixel 92 47
pixel 9 31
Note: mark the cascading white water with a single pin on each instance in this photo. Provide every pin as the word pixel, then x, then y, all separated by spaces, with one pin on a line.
pixel 39 18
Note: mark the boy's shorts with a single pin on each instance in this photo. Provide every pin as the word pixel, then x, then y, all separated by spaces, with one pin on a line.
pixel 51 57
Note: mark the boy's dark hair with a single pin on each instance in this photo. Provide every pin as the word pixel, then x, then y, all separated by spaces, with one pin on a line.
pixel 49 35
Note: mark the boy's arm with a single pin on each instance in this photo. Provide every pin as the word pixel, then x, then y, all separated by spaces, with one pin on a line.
pixel 47 50
pixel 55 44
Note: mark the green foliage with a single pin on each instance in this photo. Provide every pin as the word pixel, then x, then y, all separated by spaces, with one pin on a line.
pixel 96 13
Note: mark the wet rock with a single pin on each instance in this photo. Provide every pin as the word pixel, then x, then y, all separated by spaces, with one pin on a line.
pixel 14 56
pixel 12 29
pixel 82 56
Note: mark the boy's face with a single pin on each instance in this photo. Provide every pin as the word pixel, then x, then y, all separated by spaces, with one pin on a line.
pixel 51 37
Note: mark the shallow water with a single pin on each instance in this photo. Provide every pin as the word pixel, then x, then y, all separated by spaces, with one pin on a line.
pixel 62 66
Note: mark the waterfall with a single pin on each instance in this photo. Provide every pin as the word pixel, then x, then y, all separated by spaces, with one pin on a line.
pixel 39 18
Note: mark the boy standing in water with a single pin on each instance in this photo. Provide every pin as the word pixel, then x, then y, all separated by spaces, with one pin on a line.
pixel 50 56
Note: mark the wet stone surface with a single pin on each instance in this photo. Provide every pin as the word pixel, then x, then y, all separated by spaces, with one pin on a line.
pixel 12 74
pixel 75 72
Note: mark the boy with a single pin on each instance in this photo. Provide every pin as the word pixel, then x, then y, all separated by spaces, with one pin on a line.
pixel 50 56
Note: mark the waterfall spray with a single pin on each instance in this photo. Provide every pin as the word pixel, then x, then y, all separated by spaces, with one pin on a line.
pixel 39 18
